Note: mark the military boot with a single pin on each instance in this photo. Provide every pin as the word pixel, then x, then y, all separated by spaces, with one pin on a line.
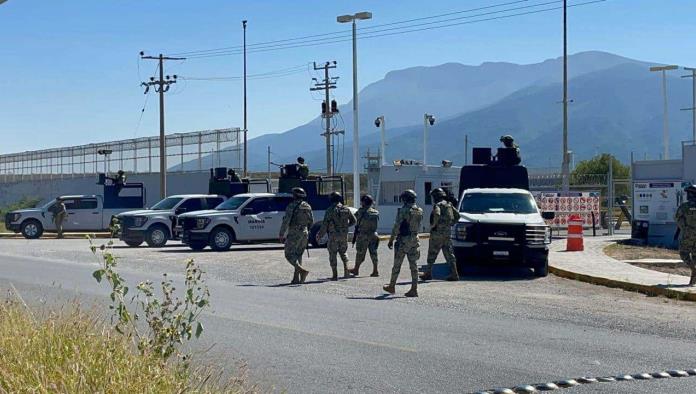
pixel 414 290
pixel 334 271
pixel 389 288
pixel 454 275
pixel 427 274
pixel 296 277
pixel 347 272
pixel 374 273
pixel 356 270
pixel 303 273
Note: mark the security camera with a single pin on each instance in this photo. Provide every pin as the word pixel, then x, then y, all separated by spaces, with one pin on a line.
pixel 378 122
pixel 431 120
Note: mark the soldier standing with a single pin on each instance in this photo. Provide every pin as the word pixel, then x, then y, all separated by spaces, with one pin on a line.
pixel 365 234
pixel 442 219
pixel 509 143
pixel 686 223
pixel 234 178
pixel 294 232
pixel 405 232
pixel 59 215
pixel 337 219
pixel 302 168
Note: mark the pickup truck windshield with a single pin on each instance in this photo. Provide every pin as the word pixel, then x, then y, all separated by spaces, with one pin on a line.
pixel 166 204
pixel 232 204
pixel 498 203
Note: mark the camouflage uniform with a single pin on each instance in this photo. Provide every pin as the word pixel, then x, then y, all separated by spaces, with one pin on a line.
pixel 441 220
pixel 337 220
pixel 296 222
pixel 59 215
pixel 405 231
pixel 366 238
pixel 686 222
pixel 303 170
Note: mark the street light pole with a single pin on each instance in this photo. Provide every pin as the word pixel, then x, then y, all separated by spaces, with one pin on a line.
pixel 356 141
pixel 246 170
pixel 428 120
pixel 693 100
pixel 565 170
pixel 379 122
pixel 665 120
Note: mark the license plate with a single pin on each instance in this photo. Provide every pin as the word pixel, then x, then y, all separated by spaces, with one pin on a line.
pixel 501 253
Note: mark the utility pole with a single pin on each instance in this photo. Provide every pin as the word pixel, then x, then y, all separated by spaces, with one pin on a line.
pixel 693 100
pixel 246 169
pixel 665 119
pixel 269 162
pixel 565 170
pixel 466 149
pixel 328 109
pixel 161 85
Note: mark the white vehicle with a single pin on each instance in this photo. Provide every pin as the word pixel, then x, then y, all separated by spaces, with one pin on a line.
pixel 502 224
pixel 249 217
pixel 85 213
pixel 155 226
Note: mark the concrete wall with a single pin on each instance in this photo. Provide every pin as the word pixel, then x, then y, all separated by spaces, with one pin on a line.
pixel 177 183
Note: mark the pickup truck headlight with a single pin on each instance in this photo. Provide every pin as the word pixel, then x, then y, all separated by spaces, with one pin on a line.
pixel 139 221
pixel 202 223
pixel 461 230
pixel 538 234
pixel 14 217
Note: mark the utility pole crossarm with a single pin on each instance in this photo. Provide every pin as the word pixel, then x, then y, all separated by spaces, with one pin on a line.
pixel 326 85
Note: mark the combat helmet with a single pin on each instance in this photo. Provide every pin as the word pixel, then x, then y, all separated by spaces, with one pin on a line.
pixel 367 200
pixel 507 138
pixel 408 196
pixel 335 197
pixel 300 160
pixel 438 194
pixel 299 192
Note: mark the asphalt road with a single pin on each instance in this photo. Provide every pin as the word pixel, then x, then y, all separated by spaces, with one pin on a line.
pixel 492 329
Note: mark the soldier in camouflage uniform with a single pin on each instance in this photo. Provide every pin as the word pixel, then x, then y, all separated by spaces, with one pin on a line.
pixel 59 214
pixel 337 219
pixel 442 219
pixel 686 223
pixel 302 168
pixel 365 235
pixel 405 232
pixel 294 232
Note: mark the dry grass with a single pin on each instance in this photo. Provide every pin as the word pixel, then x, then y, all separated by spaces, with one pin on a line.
pixel 3 229
pixel 633 252
pixel 69 351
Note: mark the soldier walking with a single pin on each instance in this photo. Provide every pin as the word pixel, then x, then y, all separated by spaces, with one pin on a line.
pixel 442 218
pixel 337 219
pixel 294 232
pixel 686 224
pixel 405 232
pixel 365 236
pixel 59 215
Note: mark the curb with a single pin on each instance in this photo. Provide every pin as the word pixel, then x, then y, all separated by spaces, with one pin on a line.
pixel 67 236
pixel 648 290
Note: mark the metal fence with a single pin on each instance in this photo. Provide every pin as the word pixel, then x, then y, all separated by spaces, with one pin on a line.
pixel 185 152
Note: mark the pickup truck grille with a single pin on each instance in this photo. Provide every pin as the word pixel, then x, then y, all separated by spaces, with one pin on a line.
pixel 8 218
pixel 187 223
pixel 127 221
pixel 493 232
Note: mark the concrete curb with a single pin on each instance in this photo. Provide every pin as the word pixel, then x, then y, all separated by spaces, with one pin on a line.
pixel 67 235
pixel 649 290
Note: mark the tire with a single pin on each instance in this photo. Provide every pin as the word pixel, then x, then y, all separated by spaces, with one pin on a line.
pixel 157 236
pixel 32 229
pixel 221 239
pixel 197 245
pixel 542 269
pixel 133 244
pixel 313 231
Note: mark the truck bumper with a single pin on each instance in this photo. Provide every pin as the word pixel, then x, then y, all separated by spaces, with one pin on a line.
pixel 14 227
pixel 128 234
pixel 522 255
pixel 194 236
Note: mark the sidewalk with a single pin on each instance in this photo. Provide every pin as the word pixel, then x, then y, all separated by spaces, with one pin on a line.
pixel 593 266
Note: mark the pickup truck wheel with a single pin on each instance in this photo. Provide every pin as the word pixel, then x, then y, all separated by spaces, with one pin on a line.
pixel 133 244
pixel 32 229
pixel 157 236
pixel 197 245
pixel 542 269
pixel 221 239
pixel 313 231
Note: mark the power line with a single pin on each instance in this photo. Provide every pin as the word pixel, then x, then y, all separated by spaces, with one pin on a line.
pixel 267 75
pixel 397 30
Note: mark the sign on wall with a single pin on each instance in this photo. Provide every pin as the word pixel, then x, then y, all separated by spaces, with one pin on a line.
pixel 657 201
pixel 566 203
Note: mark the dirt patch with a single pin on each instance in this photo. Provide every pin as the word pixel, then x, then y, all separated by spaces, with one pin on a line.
pixel 668 268
pixel 634 252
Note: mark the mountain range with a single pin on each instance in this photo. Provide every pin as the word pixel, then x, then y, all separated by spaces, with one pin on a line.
pixel 616 107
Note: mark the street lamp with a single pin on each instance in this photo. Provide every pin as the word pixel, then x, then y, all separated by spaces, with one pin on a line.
pixel 106 153
pixel 665 121
pixel 428 120
pixel 356 141
pixel 379 122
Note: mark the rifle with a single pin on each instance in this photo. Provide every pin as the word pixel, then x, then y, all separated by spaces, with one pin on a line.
pixel 357 226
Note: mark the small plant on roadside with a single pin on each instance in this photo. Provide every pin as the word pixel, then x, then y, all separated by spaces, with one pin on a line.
pixel 170 320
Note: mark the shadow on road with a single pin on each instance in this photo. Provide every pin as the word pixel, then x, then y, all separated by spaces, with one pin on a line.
pixel 482 273
pixel 381 297
pixel 242 248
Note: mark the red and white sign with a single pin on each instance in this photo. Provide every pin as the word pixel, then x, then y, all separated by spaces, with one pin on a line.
pixel 584 204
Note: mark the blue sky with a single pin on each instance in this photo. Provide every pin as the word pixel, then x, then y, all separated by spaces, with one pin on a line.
pixel 69 70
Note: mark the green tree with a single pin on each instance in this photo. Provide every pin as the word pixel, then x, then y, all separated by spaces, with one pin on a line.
pixel 599 165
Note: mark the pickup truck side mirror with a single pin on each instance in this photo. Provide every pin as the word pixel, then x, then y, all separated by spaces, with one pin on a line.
pixel 548 215
pixel 248 211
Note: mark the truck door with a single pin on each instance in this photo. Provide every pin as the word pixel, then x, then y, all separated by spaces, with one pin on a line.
pixel 255 219
pixel 86 214
pixel 274 216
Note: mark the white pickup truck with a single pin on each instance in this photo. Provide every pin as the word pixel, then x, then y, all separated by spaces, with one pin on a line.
pixel 156 225
pixel 250 217
pixel 502 225
pixel 85 213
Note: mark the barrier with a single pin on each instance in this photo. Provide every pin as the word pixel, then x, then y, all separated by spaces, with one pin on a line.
pixel 575 240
